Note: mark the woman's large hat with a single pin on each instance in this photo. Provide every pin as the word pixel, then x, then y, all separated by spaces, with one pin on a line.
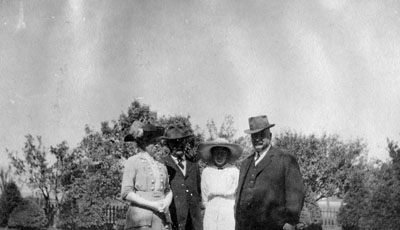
pixel 144 131
pixel 205 149
pixel 258 124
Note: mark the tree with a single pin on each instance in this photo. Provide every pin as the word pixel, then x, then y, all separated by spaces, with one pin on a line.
pixel 325 161
pixel 100 155
pixel 226 130
pixel 355 200
pixel 5 177
pixel 9 199
pixel 39 174
pixel 373 198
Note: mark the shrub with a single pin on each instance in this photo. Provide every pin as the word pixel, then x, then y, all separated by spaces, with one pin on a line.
pixel 8 201
pixel 27 215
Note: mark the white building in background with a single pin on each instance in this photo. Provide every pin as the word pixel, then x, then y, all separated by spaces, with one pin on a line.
pixel 329 209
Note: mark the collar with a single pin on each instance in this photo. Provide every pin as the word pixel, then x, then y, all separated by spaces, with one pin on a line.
pixel 176 158
pixel 263 153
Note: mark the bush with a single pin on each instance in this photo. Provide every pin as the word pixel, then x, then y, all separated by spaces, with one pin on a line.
pixel 8 201
pixel 27 215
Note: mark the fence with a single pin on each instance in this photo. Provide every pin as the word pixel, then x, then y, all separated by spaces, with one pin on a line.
pixel 329 219
pixel 115 214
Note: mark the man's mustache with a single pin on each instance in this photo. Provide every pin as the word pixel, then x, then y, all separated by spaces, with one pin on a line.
pixel 263 141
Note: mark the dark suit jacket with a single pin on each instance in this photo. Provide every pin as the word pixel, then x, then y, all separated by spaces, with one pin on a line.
pixel 187 195
pixel 277 196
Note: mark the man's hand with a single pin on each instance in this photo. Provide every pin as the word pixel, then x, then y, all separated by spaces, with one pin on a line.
pixel 288 227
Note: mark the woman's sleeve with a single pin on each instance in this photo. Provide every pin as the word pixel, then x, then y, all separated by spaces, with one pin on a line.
pixel 167 185
pixel 128 177
pixel 235 182
pixel 204 188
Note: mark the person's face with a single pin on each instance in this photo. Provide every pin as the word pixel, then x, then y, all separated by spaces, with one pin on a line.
pixel 176 146
pixel 261 140
pixel 153 147
pixel 219 156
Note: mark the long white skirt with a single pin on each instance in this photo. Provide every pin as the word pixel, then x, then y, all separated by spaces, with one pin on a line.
pixel 219 214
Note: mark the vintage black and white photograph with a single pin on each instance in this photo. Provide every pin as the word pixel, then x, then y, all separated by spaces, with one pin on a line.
pixel 199 115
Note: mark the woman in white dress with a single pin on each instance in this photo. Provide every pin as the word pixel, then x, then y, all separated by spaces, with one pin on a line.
pixel 219 181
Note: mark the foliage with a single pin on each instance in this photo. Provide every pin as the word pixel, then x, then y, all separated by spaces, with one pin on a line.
pixel 100 155
pixel 27 215
pixel 5 177
pixel 325 161
pixel 355 199
pixel 226 130
pixel 39 173
pixel 9 199
pixel 373 200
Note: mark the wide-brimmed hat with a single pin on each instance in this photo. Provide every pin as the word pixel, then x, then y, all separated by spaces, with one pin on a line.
pixel 258 124
pixel 176 132
pixel 143 131
pixel 205 149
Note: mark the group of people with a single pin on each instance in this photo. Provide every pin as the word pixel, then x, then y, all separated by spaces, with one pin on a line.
pixel 266 193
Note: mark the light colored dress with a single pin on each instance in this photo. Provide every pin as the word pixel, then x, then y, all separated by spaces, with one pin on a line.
pixel 149 179
pixel 218 187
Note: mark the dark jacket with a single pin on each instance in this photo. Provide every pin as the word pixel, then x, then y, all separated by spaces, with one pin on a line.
pixel 187 195
pixel 274 192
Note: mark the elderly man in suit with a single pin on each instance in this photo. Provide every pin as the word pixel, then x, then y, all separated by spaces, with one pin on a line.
pixel 270 193
pixel 184 177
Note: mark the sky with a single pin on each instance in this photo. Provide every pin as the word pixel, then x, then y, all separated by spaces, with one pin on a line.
pixel 312 66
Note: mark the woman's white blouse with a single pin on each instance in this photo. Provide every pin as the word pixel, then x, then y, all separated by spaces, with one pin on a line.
pixel 218 187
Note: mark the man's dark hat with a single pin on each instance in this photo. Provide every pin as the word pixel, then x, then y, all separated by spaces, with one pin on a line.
pixel 258 124
pixel 176 132
pixel 147 131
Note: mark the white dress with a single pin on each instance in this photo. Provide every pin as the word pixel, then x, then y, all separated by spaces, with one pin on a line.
pixel 218 187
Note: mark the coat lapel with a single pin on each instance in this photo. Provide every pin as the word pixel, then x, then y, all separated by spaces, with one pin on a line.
pixel 189 168
pixel 243 171
pixel 171 163
pixel 265 161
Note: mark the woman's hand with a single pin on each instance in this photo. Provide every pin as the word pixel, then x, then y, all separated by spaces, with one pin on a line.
pixel 159 206
pixel 165 206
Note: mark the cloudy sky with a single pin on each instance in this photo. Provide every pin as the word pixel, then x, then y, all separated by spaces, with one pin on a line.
pixel 313 66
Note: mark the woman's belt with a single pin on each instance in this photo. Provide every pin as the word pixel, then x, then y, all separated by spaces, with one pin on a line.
pixel 151 195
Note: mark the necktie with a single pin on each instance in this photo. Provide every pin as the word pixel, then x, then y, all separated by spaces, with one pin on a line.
pixel 257 156
pixel 180 164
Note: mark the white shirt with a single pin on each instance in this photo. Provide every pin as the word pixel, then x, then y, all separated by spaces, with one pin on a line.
pixel 262 155
pixel 183 162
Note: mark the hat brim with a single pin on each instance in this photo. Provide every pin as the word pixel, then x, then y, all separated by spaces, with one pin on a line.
pixel 204 150
pixel 176 137
pixel 249 131
pixel 149 135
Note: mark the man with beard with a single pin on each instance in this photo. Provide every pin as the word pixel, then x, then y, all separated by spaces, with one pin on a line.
pixel 270 193
pixel 184 177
